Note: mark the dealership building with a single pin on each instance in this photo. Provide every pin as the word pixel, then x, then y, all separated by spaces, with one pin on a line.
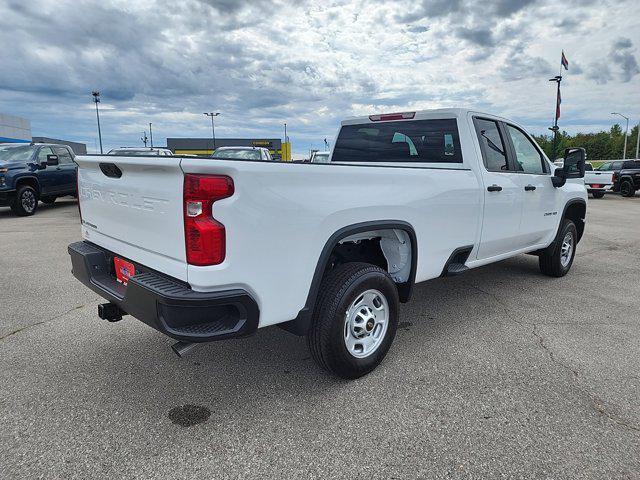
pixel 14 129
pixel 18 130
pixel 204 146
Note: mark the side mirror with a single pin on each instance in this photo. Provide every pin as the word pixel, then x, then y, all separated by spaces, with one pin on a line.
pixel 573 166
pixel 52 160
pixel 574 162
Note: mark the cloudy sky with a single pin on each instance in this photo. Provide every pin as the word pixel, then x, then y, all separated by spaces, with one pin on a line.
pixel 309 64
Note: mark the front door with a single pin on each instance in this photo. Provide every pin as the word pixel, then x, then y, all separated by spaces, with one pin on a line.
pixel 539 204
pixel 66 171
pixel 502 192
pixel 47 175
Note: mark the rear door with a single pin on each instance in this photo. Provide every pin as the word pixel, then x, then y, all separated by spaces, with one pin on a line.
pixel 133 207
pixel 540 197
pixel 502 192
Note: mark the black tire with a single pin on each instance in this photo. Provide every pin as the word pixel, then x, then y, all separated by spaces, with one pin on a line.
pixel 340 289
pixel 597 194
pixel 627 189
pixel 555 264
pixel 26 201
pixel 48 200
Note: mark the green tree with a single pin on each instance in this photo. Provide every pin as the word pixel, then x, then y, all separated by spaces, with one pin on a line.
pixel 601 145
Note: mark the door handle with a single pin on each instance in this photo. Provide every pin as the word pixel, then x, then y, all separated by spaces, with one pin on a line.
pixel 530 188
pixel 494 188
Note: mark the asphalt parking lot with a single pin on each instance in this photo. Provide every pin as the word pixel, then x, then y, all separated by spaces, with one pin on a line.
pixel 501 372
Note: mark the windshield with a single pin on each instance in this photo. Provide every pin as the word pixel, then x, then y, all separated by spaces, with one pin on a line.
pixel 248 154
pixel 321 158
pixel 15 154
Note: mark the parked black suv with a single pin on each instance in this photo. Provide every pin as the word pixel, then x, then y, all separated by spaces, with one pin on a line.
pixel 627 179
pixel 35 171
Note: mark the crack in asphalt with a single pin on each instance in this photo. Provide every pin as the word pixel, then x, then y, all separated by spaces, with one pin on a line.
pixel 55 317
pixel 597 403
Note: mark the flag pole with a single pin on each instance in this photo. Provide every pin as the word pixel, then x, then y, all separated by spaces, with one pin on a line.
pixel 555 128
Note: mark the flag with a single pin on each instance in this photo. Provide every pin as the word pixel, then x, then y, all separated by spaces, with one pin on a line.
pixel 564 62
pixel 558 105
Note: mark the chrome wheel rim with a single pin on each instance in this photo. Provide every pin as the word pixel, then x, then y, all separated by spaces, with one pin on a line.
pixel 366 323
pixel 28 201
pixel 566 251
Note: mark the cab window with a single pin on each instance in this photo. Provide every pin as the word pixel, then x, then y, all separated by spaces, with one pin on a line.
pixel 42 154
pixel 494 153
pixel 605 166
pixel 528 158
pixel 63 155
pixel 419 141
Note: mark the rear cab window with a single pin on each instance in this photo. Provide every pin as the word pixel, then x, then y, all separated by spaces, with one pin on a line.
pixel 413 141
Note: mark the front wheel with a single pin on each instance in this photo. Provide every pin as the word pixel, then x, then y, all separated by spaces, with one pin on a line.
pixel 627 189
pixel 26 201
pixel 354 321
pixel 558 263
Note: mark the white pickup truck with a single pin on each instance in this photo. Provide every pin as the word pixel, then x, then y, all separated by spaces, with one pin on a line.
pixel 204 250
pixel 597 181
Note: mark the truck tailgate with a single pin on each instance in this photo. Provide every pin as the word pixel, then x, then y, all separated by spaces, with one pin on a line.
pixel 135 210
pixel 598 178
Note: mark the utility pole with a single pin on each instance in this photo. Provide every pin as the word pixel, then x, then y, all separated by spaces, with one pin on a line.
pixel 624 152
pixel 555 127
pixel 96 99
pixel 144 138
pixel 150 135
pixel 213 128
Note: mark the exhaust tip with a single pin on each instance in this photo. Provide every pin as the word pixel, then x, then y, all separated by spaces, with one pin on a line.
pixel 182 348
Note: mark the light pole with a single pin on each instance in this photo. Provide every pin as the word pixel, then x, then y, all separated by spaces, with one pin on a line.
pixel 638 141
pixel 150 135
pixel 213 128
pixel 96 99
pixel 624 152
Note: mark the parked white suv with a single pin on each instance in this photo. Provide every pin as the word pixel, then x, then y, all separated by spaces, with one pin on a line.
pixel 203 249
pixel 138 151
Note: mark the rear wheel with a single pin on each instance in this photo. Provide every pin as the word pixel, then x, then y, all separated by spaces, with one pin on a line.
pixel 627 189
pixel 26 201
pixel 597 194
pixel 48 200
pixel 354 321
pixel 558 263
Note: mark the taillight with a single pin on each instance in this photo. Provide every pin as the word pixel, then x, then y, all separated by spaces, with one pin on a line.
pixel 392 116
pixel 204 237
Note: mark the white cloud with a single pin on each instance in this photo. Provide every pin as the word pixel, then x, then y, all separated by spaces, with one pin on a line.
pixel 262 63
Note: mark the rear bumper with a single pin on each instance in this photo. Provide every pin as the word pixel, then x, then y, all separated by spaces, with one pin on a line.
pixel 166 304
